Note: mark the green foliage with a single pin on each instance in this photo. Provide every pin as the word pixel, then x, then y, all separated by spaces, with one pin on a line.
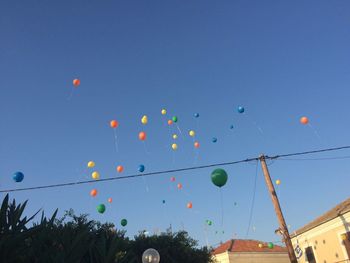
pixel 77 239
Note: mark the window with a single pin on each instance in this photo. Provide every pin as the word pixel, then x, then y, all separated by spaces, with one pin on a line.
pixel 309 254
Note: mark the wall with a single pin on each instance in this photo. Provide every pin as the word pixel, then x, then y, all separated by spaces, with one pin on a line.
pixel 325 240
pixel 252 258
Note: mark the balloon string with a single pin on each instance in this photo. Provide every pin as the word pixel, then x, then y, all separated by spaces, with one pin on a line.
pixel 71 94
pixel 253 201
pixel 177 126
pixel 116 141
pixel 256 125
pixel 222 208
pixel 146 185
pixel 145 148
pixel 316 133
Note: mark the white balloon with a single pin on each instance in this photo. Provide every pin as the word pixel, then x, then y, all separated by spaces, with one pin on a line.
pixel 150 256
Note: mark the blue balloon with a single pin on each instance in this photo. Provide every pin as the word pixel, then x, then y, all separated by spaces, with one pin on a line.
pixel 141 168
pixel 240 109
pixel 18 177
pixel 231 127
pixel 214 139
pixel 196 115
pixel 163 201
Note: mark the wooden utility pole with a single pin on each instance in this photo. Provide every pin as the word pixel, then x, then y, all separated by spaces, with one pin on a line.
pixel 276 204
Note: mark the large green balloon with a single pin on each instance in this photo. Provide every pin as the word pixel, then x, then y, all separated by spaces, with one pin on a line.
pixel 101 208
pixel 219 177
pixel 270 245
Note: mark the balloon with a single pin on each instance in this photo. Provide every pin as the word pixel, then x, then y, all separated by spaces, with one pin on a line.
pixel 209 222
pixel 142 136
pixel 196 144
pixel 120 168
pixel 189 205
pixel 196 115
pixel 172 179
pixel 76 82
pixel 260 245
pixel 141 168
pixel 163 201
pixel 150 256
pixel 214 139
pixel 174 136
pixel 235 203
pixel 240 109
pixel 18 177
pixel 270 245
pixel 174 119
pixel 179 185
pixel 95 175
pixel 114 124
pixel 124 222
pixel 304 120
pixel 93 192
pixel 170 122
pixel 101 208
pixel 278 182
pixel 174 146
pixel 91 164
pixel 231 127
pixel 219 177
pixel 110 200
pixel 144 119
pixel 163 111
pixel 192 133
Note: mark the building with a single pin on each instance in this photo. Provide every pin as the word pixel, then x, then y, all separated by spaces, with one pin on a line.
pixel 249 251
pixel 326 239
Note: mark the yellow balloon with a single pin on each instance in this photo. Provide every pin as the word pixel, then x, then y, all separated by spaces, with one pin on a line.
pixel 175 136
pixel 192 133
pixel 91 164
pixel 260 245
pixel 278 182
pixel 95 175
pixel 163 111
pixel 144 119
pixel 174 146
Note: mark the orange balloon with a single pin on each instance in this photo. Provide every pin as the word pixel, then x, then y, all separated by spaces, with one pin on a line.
pixel 120 168
pixel 179 185
pixel 114 124
pixel 76 82
pixel 142 136
pixel 196 144
pixel 93 192
pixel 304 120
pixel 110 200
pixel 189 205
pixel 170 122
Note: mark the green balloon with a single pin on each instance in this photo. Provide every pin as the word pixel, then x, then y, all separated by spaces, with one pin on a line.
pixel 101 208
pixel 124 222
pixel 174 119
pixel 219 177
pixel 210 222
pixel 270 245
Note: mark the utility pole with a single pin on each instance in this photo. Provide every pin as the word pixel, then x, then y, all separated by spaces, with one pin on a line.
pixel 276 204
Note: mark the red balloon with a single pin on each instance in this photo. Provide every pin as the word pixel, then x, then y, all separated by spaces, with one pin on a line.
pixel 172 179
pixel 189 205
pixel 120 168
pixel 76 82
pixel 114 124
pixel 142 136
pixel 304 120
pixel 179 185
pixel 196 144
pixel 170 122
pixel 110 200
pixel 93 192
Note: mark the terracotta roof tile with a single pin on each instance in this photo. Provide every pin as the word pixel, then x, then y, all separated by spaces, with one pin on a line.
pixel 242 245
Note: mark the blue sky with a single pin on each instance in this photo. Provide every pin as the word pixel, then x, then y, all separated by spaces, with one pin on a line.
pixel 280 60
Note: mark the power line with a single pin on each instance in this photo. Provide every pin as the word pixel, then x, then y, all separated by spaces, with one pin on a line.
pixel 127 176
pixel 173 170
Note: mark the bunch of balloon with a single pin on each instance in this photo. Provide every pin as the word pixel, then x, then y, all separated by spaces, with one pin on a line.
pixel 219 178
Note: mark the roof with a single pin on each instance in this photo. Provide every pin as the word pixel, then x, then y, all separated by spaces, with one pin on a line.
pixel 338 210
pixel 246 245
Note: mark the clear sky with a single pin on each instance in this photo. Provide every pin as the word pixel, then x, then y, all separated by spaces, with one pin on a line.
pixel 279 59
